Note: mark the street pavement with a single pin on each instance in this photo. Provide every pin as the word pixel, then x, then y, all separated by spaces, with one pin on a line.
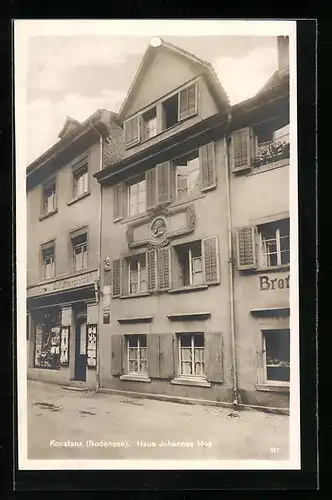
pixel 67 424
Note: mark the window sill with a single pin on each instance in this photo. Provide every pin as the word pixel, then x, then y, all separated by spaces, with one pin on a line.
pixel 187 289
pixel 271 387
pixel 269 166
pixel 199 382
pixel 77 198
pixel 135 378
pixel 145 294
pixel 48 214
pixel 132 218
pixel 256 270
pixel 176 202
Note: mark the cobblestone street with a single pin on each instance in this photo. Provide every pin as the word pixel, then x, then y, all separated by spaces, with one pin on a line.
pixel 67 424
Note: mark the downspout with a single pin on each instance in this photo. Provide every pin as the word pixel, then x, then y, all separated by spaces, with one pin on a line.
pixel 236 396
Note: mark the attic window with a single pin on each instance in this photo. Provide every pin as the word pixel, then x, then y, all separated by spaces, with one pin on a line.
pixel 149 124
pixel 170 111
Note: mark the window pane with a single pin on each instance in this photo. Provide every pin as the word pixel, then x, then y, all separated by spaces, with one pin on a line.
pixel 186 368
pixel 185 340
pixel 199 340
pixel 142 340
pixel 277 344
pixel 85 259
pixel 132 340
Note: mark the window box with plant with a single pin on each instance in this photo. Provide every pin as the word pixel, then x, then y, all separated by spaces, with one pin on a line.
pixel 253 148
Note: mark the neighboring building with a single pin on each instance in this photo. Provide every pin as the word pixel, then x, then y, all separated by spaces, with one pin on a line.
pixel 63 242
pixel 259 166
pixel 183 312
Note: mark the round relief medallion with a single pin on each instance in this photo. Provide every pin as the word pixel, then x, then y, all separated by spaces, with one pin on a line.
pixel 158 227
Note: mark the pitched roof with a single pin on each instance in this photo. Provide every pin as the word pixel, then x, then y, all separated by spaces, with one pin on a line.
pixel 204 65
pixel 278 78
pixel 69 125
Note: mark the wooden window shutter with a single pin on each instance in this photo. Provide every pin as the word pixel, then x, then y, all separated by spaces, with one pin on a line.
pixel 164 268
pixel 117 354
pixel 188 101
pixel 153 355
pixel 214 357
pixel 125 277
pixel 211 264
pixel 166 355
pixel 117 201
pixel 132 130
pixel 151 257
pixel 143 128
pixel 241 149
pixel 116 277
pixel 207 166
pixel 151 184
pixel 246 247
pixel 163 182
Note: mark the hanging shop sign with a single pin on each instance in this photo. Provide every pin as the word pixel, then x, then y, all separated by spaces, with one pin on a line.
pixel 81 280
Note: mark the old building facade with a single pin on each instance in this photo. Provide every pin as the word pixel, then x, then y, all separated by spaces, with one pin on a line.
pixel 63 234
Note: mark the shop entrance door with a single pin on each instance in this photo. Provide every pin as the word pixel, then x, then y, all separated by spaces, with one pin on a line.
pixel 80 349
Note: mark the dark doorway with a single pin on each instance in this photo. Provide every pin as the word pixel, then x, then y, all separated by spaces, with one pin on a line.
pixel 80 348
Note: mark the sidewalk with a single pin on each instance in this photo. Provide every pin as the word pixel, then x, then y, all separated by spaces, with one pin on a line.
pixel 66 424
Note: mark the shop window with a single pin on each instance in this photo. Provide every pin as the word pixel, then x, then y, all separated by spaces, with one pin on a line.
pixel 274 244
pixel 136 354
pixel 80 181
pixel 276 349
pixel 190 263
pixel 191 355
pixel 149 124
pixel 187 173
pixel 49 197
pixel 80 251
pixel 47 340
pixel 136 195
pixel 137 274
pixel 48 258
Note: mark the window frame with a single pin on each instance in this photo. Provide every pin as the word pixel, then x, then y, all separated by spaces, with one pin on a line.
pixel 195 191
pixel 131 182
pixel 74 235
pixel 192 352
pixel 50 245
pixel 266 380
pixel 185 87
pixel 83 164
pixel 49 183
pixel 138 358
pixel 261 256
pixel 139 282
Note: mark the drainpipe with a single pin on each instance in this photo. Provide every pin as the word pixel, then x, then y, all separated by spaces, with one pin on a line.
pixel 236 399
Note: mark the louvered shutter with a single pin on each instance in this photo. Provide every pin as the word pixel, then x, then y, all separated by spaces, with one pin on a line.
pixel 143 128
pixel 207 166
pixel 163 182
pixel 152 269
pixel 241 146
pixel 214 357
pixel 132 130
pixel 153 355
pixel 117 201
pixel 188 101
pixel 166 362
pixel 246 247
pixel 116 277
pixel 210 253
pixel 117 354
pixel 164 268
pixel 151 184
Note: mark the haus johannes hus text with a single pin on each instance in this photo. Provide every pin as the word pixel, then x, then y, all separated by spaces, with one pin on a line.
pixel 180 284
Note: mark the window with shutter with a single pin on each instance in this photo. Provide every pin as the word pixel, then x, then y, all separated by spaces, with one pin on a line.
pixel 164 268
pixel 207 166
pixel 150 181
pixel 152 270
pixel 188 101
pixel 210 252
pixel 117 201
pixel 246 247
pixel 163 182
pixel 116 277
pixel 241 149
pixel 132 130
